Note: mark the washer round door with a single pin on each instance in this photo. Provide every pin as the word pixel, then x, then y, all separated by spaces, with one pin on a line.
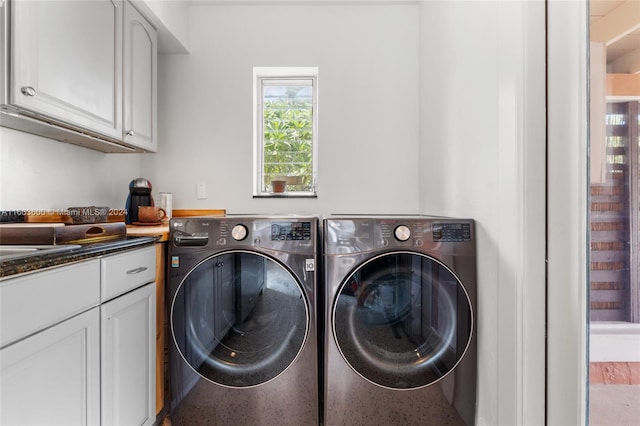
pixel 239 319
pixel 402 320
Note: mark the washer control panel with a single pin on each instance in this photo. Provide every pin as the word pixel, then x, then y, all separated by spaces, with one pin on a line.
pixel 451 232
pixel 291 231
pixel 287 234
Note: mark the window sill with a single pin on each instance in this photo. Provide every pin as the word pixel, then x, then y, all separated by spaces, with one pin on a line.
pixel 286 195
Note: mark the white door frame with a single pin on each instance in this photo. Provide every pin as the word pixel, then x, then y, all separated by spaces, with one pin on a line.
pixel 567 212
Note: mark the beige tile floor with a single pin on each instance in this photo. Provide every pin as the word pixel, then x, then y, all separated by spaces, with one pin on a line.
pixel 614 405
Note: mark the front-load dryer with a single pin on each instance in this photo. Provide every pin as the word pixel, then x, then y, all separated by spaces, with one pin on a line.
pixel 243 321
pixel 400 335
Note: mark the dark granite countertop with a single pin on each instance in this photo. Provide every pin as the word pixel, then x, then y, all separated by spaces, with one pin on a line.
pixel 86 251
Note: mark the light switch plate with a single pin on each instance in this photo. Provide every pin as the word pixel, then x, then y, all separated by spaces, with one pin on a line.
pixel 201 191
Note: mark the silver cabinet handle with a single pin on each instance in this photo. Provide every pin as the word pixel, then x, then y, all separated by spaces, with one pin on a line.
pixel 28 91
pixel 130 133
pixel 137 270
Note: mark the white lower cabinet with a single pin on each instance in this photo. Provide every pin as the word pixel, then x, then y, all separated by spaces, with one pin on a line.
pixel 70 357
pixel 128 358
pixel 53 377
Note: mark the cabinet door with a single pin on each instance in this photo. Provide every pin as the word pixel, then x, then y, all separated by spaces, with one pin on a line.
pixel 53 377
pixel 66 62
pixel 140 63
pixel 128 358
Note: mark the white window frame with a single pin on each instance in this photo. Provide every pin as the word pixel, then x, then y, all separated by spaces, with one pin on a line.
pixel 284 73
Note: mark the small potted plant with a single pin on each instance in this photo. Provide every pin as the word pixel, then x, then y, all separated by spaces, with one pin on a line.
pixel 278 184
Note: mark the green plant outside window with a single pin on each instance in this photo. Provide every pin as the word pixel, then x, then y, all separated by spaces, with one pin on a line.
pixel 288 136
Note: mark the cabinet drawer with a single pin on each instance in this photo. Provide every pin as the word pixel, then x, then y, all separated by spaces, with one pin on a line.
pixel 39 300
pixel 127 271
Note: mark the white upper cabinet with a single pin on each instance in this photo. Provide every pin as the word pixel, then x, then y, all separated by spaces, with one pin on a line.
pixel 66 62
pixel 82 72
pixel 140 64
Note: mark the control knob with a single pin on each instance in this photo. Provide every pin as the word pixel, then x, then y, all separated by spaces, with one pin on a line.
pixel 239 232
pixel 402 233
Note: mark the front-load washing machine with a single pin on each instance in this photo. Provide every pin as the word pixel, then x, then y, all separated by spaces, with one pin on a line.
pixel 243 321
pixel 400 335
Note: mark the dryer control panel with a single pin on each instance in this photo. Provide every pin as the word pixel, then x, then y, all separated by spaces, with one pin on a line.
pixel 361 234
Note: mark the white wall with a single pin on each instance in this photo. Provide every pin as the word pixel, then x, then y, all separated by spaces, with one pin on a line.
pixel 482 156
pixel 368 106
pixel 39 173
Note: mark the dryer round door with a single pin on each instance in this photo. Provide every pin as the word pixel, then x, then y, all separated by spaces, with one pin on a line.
pixel 239 319
pixel 402 320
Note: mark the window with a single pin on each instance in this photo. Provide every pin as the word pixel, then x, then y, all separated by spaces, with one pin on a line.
pixel 285 131
pixel 614 268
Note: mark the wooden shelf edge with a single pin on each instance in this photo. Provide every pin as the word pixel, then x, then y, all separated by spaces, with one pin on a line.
pixel 197 212
pixel 623 85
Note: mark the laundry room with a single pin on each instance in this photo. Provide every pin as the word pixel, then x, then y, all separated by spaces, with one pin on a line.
pixel 423 108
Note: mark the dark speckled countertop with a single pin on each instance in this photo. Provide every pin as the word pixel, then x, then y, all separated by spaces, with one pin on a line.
pixel 86 251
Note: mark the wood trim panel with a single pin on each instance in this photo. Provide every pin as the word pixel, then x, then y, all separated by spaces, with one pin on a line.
pixel 160 326
pixel 623 85
pixel 197 212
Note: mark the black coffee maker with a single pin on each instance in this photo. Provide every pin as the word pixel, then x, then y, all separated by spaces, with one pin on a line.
pixel 139 195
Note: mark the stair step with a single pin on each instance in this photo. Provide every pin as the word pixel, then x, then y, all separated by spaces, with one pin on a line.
pixel 607 305
pixel 607 285
pixel 607 207
pixel 608 246
pixel 608 266
pixel 608 226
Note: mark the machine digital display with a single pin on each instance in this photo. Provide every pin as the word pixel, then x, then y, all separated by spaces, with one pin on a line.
pixel 451 232
pixel 291 231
